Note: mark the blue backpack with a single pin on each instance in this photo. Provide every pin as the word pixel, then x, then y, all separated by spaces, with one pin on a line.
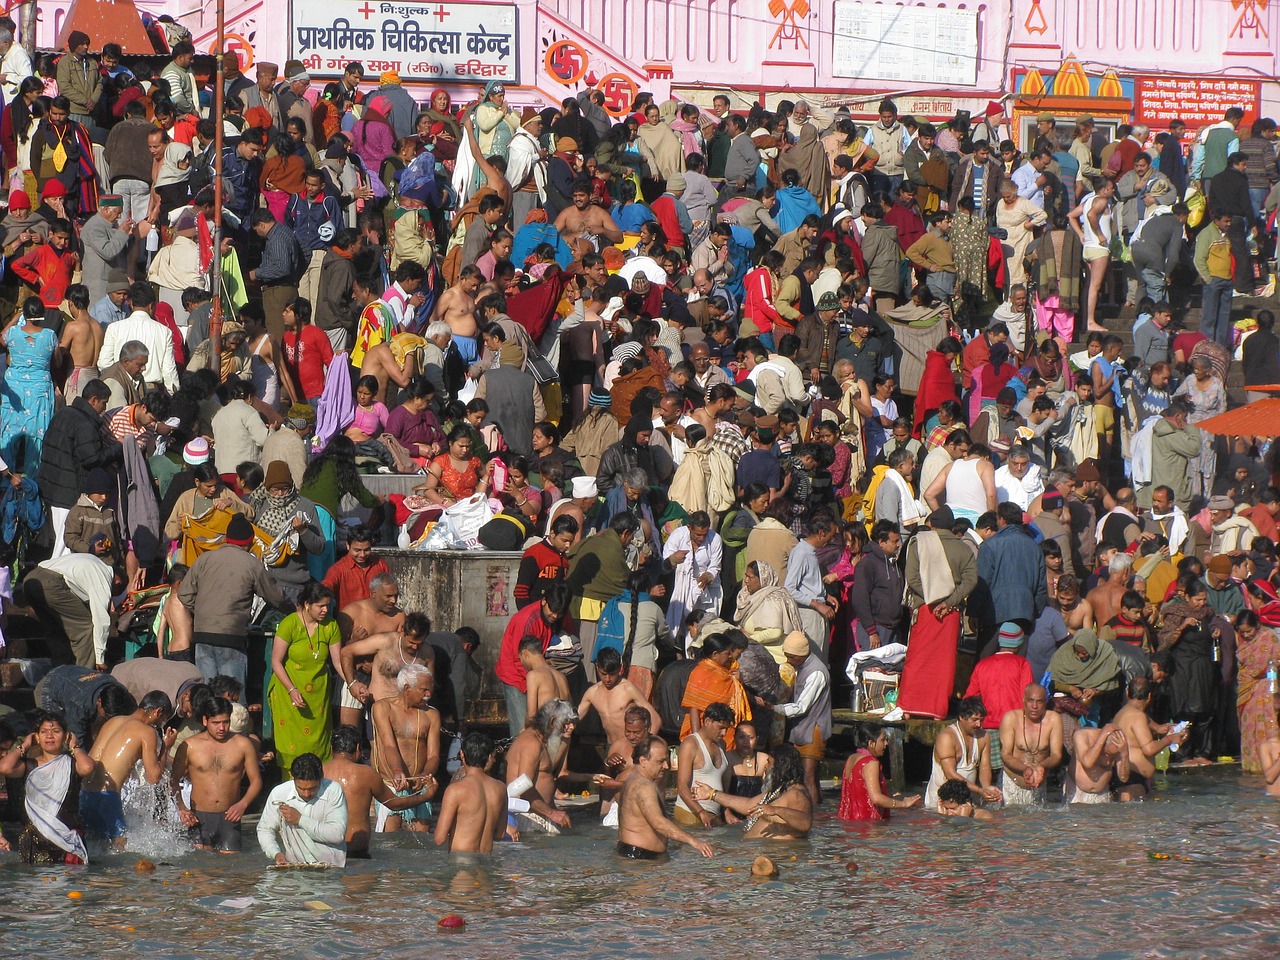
pixel 611 629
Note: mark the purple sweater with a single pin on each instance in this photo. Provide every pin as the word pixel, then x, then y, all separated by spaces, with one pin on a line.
pixel 410 428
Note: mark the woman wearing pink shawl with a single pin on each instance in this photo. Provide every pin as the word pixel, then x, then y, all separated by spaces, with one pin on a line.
pixel 372 137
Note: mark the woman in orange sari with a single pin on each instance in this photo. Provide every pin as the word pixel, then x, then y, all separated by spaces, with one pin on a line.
pixel 713 681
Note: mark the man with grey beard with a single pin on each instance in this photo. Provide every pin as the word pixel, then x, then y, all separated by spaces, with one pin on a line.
pixel 538 754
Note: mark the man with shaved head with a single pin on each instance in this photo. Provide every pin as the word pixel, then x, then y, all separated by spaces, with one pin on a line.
pixel 706 372
pixel 1032 741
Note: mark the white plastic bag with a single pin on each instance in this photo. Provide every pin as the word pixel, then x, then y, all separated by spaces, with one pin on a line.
pixel 439 537
pixel 466 517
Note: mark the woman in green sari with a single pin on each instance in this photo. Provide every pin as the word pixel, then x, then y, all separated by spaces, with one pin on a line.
pixel 305 644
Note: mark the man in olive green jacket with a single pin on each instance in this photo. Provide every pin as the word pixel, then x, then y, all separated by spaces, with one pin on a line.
pixel 1174 444
pixel 79 79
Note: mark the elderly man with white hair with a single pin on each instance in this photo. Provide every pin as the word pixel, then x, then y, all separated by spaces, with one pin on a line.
pixel 535 757
pixel 14 67
pixel 406 747
pixel 1020 480
pixel 439 337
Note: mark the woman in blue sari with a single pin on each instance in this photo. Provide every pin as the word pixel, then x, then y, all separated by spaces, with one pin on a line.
pixel 26 400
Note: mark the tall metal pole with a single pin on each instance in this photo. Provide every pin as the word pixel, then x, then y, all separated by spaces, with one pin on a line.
pixel 215 274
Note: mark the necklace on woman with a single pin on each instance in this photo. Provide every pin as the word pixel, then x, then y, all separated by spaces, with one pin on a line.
pixel 312 644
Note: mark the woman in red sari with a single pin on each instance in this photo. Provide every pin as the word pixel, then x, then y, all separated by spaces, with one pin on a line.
pixel 937 384
pixel 864 793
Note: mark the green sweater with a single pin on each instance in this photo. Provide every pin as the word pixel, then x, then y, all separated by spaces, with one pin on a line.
pixel 325 490
pixel 598 567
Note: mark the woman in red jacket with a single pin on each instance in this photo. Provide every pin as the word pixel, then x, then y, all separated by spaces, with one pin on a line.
pixel 758 312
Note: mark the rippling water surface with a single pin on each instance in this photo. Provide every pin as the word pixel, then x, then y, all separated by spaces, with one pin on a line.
pixel 1065 882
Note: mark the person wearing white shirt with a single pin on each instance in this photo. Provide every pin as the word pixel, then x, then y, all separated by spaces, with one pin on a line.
pixel 305 819
pixel 1030 178
pixel 1019 481
pixel 142 326
pixel 74 590
pixel 669 426
pixel 15 66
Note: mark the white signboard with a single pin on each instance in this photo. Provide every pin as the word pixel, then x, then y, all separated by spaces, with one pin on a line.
pixel 421 41
pixel 913 44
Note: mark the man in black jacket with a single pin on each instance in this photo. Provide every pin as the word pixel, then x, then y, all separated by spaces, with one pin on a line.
pixel 1230 192
pixel 280 269
pixel 876 597
pixel 75 443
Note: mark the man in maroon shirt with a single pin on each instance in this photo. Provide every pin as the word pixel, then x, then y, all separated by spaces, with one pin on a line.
pixel 905 215
pixel 349 577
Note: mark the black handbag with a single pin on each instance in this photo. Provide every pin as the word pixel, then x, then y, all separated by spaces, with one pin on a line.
pixel 541 368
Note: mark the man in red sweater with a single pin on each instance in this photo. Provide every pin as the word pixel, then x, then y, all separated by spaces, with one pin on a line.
pixel 978 350
pixel 1000 681
pixel 349 577
pixel 546 562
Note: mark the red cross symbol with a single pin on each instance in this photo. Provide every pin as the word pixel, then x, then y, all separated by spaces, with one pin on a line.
pixel 441 13
pixel 366 10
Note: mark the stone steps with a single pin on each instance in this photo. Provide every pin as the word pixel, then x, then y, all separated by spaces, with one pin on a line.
pixel 1119 320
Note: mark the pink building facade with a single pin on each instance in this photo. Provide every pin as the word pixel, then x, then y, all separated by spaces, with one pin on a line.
pixel 1118 59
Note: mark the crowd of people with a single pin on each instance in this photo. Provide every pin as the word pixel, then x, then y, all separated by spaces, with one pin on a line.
pixel 674 362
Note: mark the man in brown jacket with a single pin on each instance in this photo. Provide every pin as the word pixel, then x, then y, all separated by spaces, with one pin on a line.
pixel 819 334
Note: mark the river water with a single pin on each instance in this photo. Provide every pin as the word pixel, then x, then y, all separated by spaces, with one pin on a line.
pixel 1080 882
